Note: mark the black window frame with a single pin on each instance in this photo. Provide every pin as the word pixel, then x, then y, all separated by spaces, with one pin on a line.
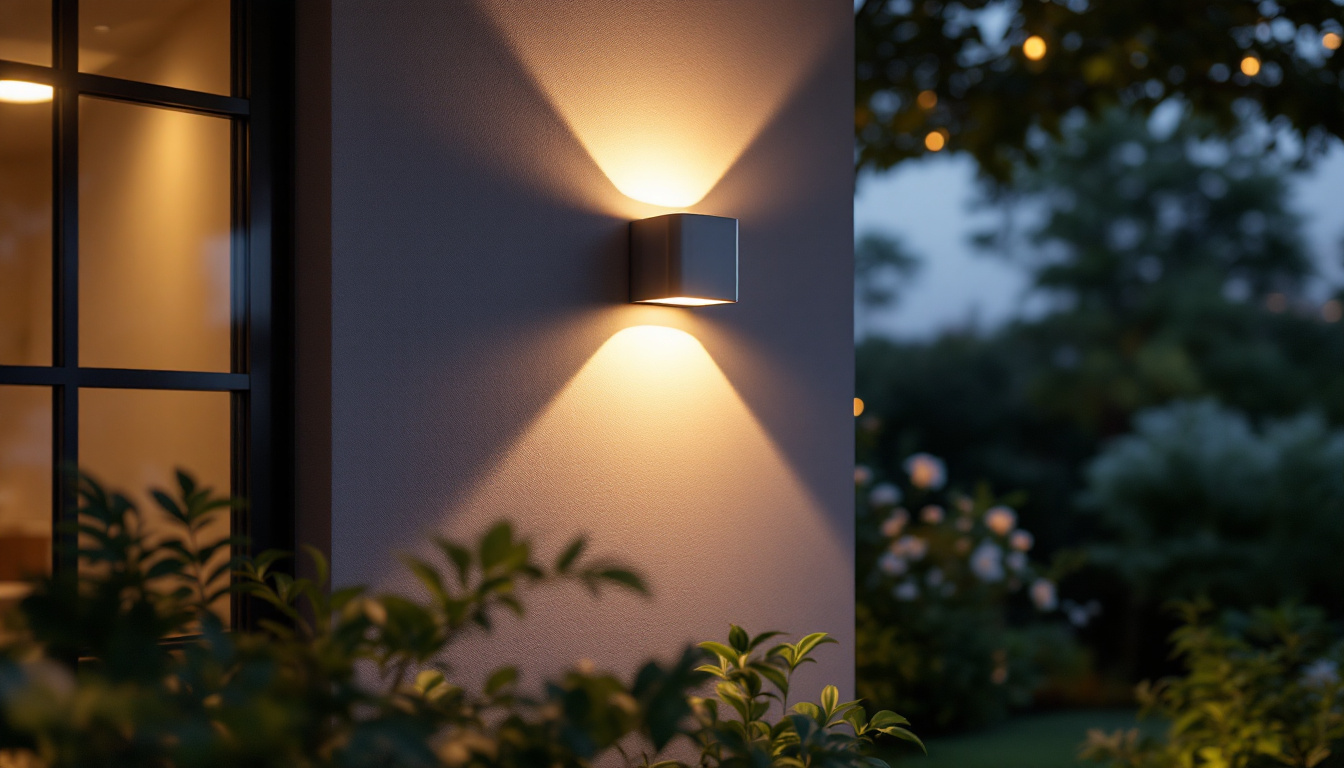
pixel 259 377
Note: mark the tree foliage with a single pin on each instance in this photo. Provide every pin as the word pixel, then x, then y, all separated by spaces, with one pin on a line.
pixel 958 67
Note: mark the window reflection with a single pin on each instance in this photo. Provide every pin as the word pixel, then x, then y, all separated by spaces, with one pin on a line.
pixel 25 234
pixel 134 439
pixel 182 43
pixel 25 487
pixel 25 31
pixel 154 222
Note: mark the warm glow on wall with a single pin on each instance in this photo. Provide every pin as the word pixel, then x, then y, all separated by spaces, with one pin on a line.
pixel 927 99
pixel 23 92
pixel 858 407
pixel 1034 48
pixel 1250 66
pixel 1332 40
pixel 664 95
pixel 935 140
pixel 650 451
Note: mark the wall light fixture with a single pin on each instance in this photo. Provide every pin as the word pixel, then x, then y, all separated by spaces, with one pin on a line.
pixel 684 260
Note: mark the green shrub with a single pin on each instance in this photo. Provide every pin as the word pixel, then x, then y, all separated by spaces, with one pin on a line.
pixel 346 678
pixel 1198 501
pixel 1260 689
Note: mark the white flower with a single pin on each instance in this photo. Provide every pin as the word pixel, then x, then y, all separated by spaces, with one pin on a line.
pixel 1021 540
pixel 892 564
pixel 987 562
pixel 1001 520
pixel 934 577
pixel 932 514
pixel 1016 561
pixel 1043 595
pixel 1321 673
pixel 884 495
pixel 892 526
pixel 912 547
pixel 862 475
pixel 926 471
pixel 906 591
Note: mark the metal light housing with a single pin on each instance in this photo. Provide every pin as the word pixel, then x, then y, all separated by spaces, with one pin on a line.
pixel 683 260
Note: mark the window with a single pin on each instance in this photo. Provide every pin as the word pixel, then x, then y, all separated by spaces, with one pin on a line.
pixel 138 280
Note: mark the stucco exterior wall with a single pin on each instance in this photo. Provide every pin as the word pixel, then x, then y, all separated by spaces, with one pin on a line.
pixel 484 363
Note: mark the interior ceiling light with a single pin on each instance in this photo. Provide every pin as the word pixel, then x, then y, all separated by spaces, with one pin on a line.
pixel 683 260
pixel 24 92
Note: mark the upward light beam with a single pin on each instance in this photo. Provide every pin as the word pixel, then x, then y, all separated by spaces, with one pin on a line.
pixel 664 94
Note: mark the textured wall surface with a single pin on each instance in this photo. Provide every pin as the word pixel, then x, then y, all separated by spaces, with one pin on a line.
pixel 484 363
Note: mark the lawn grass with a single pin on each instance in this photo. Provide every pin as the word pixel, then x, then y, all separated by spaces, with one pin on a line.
pixel 1048 740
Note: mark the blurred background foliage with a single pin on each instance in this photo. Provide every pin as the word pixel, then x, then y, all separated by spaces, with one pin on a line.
pixel 985 73
pixel 1167 413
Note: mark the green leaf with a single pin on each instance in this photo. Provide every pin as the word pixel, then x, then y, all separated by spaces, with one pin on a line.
pixel 501 679
pixel 830 698
pixel 623 577
pixel 904 735
pixel 887 718
pixel 738 638
pixel 427 575
pixel 808 643
pixel 809 709
pixel 761 638
pixel 721 650
pixel 459 556
pixel 496 545
pixel 571 554
pixel 774 674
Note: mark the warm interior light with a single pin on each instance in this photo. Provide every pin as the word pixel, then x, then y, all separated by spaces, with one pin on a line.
pixel 1250 66
pixel 1332 40
pixel 935 141
pixel 1034 48
pixel 927 99
pixel 24 92
pixel 684 301
pixel 858 407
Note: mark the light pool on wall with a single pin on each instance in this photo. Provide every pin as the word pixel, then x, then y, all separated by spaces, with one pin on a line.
pixel 662 99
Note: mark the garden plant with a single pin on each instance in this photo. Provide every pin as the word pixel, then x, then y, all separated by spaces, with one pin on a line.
pixel 126 664
pixel 950 602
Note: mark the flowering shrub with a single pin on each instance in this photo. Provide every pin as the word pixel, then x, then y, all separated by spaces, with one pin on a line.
pixel 1259 690
pixel 940 573
pixel 349 679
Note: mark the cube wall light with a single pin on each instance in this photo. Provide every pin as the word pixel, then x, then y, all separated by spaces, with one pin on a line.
pixel 683 260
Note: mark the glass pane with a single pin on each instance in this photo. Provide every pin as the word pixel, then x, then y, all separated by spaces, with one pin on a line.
pixel 154 218
pixel 182 43
pixel 25 234
pixel 132 440
pixel 25 487
pixel 25 31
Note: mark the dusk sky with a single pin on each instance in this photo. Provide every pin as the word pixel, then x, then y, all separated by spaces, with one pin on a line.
pixel 927 204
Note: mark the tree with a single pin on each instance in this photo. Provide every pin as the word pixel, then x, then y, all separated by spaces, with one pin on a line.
pixel 882 268
pixel 982 74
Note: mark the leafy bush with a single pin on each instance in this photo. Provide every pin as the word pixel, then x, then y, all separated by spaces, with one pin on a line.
pixel 1259 690
pixel 1199 501
pixel 937 589
pixel 347 678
